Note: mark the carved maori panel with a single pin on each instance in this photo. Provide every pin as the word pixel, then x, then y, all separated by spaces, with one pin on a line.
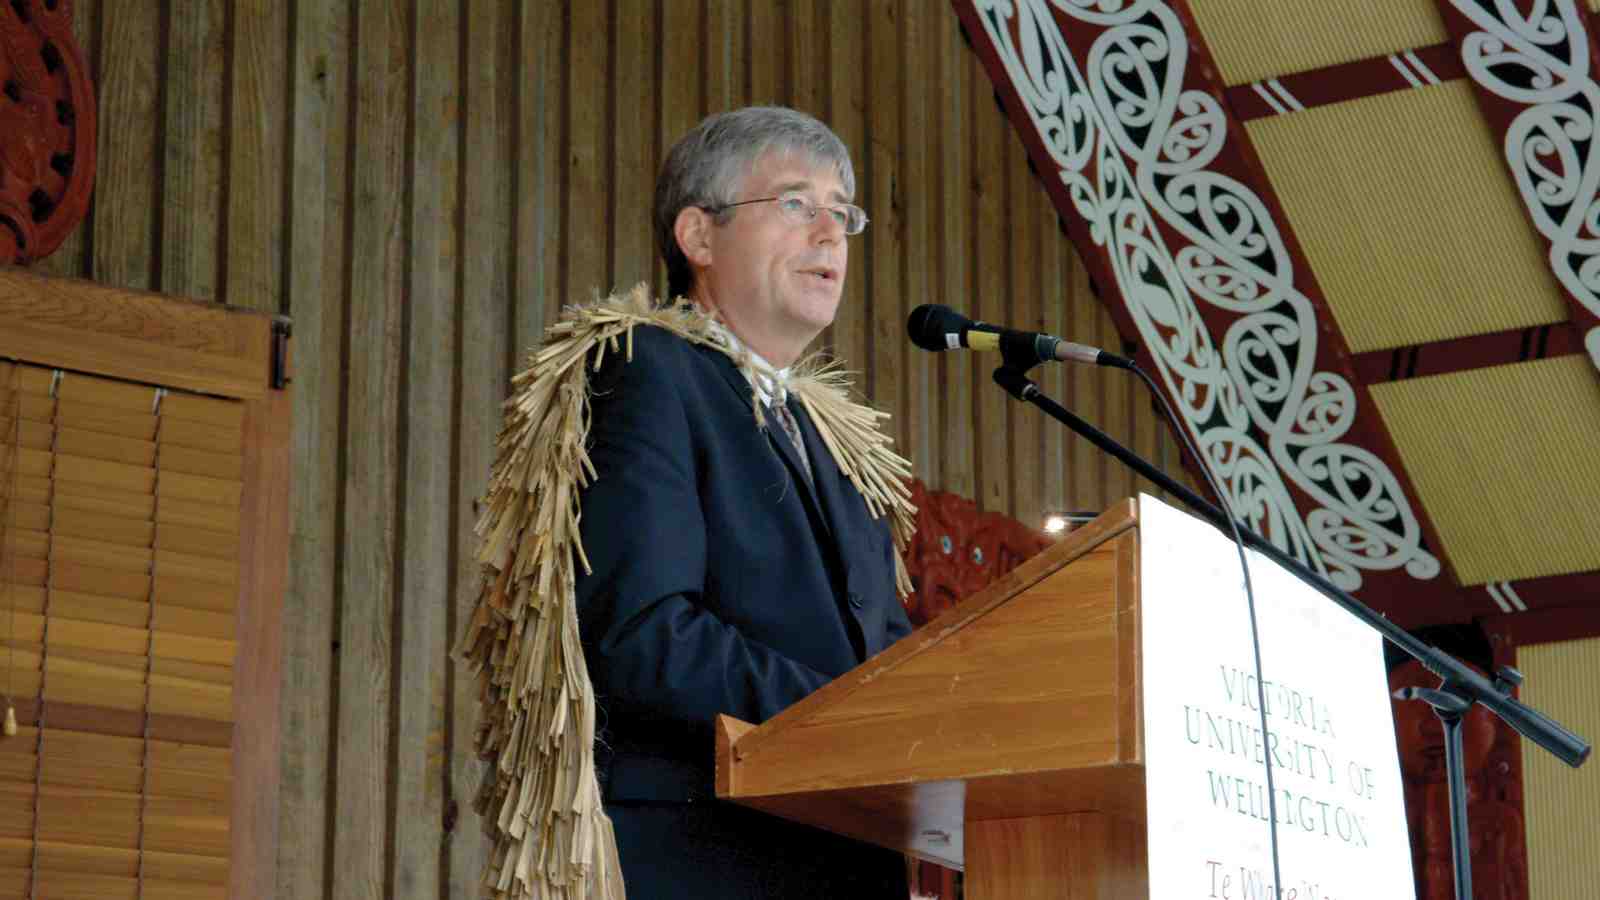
pixel 1166 201
pixel 1534 74
pixel 1494 797
pixel 958 550
pixel 47 129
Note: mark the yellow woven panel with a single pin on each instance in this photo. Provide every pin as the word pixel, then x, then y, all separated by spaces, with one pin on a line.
pixel 1409 218
pixel 1503 459
pixel 1252 40
pixel 1562 804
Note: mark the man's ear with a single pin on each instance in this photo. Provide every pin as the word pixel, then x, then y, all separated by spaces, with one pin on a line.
pixel 693 231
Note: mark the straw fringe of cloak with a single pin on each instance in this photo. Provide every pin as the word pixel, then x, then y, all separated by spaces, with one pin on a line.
pixel 540 800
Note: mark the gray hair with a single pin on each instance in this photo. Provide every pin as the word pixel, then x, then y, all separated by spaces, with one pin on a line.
pixel 708 165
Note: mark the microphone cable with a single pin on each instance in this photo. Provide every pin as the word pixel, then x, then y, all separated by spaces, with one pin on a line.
pixel 935 328
pixel 1250 603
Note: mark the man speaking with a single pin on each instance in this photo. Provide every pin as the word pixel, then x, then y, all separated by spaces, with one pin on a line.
pixel 733 552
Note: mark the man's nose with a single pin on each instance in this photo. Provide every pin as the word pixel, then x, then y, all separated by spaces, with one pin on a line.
pixel 825 229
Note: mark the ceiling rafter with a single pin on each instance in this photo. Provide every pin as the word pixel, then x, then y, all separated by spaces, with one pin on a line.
pixel 1299 91
pixel 1477 351
pixel 1533 90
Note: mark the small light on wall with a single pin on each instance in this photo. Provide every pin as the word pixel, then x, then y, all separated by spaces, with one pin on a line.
pixel 1059 523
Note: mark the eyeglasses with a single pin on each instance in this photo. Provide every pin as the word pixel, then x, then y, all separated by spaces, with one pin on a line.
pixel 798 208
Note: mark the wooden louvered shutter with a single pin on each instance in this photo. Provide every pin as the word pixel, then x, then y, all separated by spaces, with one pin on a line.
pixel 121 567
pixel 135 637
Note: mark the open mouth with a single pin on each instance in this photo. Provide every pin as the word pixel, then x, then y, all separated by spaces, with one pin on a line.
pixel 827 275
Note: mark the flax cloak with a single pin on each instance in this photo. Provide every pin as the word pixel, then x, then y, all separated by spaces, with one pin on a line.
pixel 540 799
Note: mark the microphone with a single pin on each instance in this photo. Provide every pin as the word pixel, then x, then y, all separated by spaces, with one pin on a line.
pixel 936 328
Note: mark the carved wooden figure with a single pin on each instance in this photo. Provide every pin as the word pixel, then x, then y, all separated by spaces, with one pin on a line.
pixel 47 129
pixel 1494 797
pixel 958 550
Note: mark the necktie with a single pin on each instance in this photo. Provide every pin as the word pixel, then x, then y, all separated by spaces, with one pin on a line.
pixel 780 411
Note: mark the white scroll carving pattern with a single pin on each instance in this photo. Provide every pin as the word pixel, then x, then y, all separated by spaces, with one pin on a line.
pixel 1539 60
pixel 1263 417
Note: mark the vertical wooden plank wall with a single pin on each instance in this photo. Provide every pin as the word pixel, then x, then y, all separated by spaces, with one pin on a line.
pixel 421 184
pixel 316 280
pixel 498 261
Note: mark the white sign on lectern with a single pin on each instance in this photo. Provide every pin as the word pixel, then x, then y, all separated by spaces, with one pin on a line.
pixel 1330 730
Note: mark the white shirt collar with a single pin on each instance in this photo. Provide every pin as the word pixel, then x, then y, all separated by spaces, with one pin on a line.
pixel 770 384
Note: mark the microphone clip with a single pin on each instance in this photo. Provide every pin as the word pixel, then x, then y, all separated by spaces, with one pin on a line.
pixel 1015 381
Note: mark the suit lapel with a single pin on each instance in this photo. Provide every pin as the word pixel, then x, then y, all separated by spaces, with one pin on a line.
pixel 829 479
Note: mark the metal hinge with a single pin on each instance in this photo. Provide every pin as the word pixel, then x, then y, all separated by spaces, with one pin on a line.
pixel 281 330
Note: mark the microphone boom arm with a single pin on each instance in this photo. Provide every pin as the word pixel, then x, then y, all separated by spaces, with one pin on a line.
pixel 1458 678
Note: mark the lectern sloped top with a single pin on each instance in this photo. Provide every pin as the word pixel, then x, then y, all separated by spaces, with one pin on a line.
pixel 1022 701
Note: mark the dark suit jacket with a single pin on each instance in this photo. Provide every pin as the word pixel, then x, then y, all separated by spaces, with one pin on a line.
pixel 721 583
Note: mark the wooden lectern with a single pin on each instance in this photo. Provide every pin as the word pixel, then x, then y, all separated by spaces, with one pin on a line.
pixel 1003 738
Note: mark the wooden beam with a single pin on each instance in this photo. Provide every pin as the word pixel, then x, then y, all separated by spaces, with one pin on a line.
pixel 1401 71
pixel 377 291
pixel 1478 351
pixel 258 669
pixel 134 335
pixel 426 439
pixel 314 280
pixel 1547 626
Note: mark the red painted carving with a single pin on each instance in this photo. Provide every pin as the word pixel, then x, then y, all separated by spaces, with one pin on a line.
pixel 1494 797
pixel 47 129
pixel 956 552
pixel 1397 593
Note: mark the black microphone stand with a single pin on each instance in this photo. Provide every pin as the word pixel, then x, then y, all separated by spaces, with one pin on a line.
pixel 1460 686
